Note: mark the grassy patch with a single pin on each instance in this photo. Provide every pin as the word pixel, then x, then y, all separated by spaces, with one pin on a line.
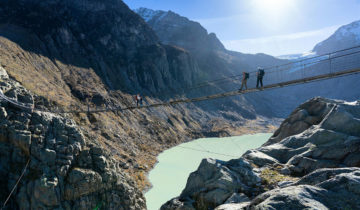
pixel 141 180
pixel 271 177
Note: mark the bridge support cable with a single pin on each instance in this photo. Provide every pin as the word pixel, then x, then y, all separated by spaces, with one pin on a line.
pixel 332 65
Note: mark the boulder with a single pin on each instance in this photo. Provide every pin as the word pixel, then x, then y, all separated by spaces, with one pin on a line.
pixel 233 206
pixel 322 189
pixel 47 191
pixel 237 198
pixel 82 182
pixel 294 197
pixel 306 156
pixel 3 73
pixel 258 158
pixel 215 182
pixel 176 204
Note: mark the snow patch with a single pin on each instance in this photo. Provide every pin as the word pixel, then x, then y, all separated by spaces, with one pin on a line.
pixel 149 14
pixel 297 56
pixel 353 29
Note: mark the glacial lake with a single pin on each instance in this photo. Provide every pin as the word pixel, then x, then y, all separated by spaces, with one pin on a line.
pixel 174 165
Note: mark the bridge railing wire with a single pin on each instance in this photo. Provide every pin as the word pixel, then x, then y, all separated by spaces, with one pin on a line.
pixel 274 74
pixel 330 63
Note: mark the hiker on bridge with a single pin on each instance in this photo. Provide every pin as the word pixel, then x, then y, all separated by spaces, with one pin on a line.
pixel 260 75
pixel 246 76
pixel 138 100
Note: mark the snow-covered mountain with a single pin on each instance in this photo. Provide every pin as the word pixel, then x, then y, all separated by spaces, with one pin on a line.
pixel 174 29
pixel 148 14
pixel 345 37
pixel 215 61
pixel 299 56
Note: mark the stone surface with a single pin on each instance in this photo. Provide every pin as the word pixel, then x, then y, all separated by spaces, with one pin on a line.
pixel 311 162
pixel 329 189
pixel 3 73
pixel 236 206
pixel 216 182
pixel 65 170
pixel 259 158
pixel 237 198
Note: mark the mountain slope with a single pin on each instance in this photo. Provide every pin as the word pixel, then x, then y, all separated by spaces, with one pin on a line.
pixel 63 169
pixel 171 28
pixel 345 37
pixel 104 36
pixel 75 54
pixel 213 59
pixel 217 62
pixel 174 29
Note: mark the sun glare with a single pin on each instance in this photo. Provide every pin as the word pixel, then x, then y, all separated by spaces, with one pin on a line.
pixel 273 11
pixel 272 5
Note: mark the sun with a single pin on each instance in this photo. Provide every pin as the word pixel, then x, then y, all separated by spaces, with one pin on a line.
pixel 273 11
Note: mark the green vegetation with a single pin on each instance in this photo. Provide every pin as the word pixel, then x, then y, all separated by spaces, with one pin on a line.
pixel 271 177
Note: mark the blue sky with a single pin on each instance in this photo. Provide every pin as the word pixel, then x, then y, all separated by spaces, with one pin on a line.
pixel 275 27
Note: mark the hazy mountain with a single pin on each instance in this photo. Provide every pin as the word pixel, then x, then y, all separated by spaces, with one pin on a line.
pixel 214 61
pixel 345 37
pixel 297 56
pixel 174 29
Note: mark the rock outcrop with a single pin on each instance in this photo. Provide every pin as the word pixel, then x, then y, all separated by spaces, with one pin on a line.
pixel 208 51
pixel 65 170
pixel 104 36
pixel 311 161
pixel 171 28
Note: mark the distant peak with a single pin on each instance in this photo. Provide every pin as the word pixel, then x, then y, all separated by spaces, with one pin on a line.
pixel 148 14
pixel 344 37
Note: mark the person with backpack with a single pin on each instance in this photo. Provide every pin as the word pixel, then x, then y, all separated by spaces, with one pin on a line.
pixel 138 100
pixel 260 75
pixel 246 76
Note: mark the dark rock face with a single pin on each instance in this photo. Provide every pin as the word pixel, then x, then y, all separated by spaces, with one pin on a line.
pixel 65 172
pixel 211 55
pixel 105 36
pixel 310 162
pixel 212 59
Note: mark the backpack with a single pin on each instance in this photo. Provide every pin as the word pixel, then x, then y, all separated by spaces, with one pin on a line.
pixel 247 75
pixel 261 72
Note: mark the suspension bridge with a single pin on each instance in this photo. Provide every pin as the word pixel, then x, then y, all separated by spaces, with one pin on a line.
pixel 323 67
pixel 332 65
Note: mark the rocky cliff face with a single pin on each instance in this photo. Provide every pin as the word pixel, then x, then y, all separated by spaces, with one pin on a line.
pixel 65 170
pixel 214 60
pixel 311 161
pixel 105 36
pixel 74 54
pixel 174 29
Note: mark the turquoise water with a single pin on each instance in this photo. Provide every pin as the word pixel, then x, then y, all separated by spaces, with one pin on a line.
pixel 174 165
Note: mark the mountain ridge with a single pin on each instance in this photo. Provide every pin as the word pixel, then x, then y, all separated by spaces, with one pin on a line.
pixel 345 37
